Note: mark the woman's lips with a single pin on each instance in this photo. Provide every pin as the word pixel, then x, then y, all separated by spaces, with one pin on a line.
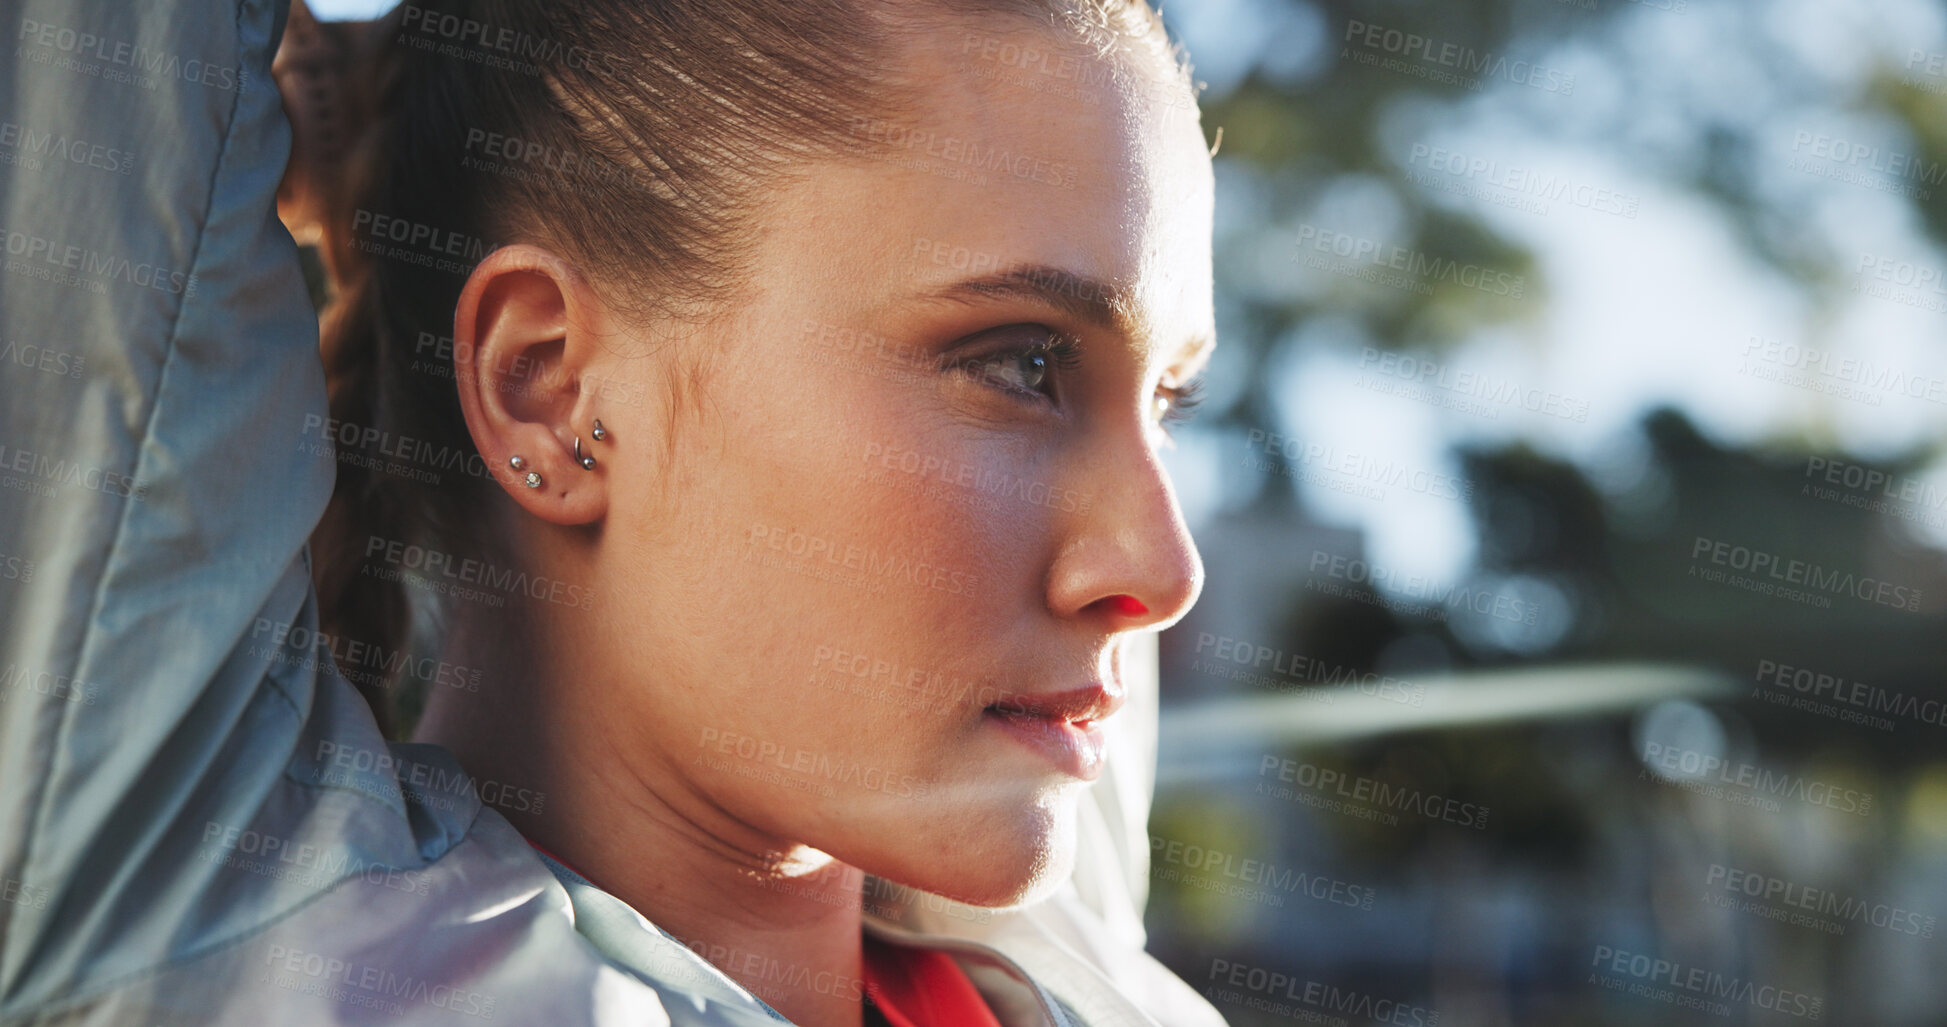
pixel 1075 747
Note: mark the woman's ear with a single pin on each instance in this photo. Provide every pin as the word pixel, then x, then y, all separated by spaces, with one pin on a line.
pixel 526 334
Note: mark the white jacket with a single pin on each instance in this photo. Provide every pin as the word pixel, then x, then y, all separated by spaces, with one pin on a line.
pixel 178 845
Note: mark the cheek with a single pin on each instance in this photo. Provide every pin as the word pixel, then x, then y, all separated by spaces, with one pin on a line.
pixel 875 531
pixel 883 504
pixel 975 548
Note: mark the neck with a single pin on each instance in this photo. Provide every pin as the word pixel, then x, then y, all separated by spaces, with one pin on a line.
pixel 782 920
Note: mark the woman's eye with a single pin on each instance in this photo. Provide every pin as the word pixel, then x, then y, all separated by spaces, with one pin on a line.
pixel 1029 367
pixel 1025 370
pixel 1175 404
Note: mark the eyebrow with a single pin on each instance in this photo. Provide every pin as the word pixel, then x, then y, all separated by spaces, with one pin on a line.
pixel 1095 301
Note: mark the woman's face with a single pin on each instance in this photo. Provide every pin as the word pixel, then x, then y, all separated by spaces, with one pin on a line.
pixel 869 595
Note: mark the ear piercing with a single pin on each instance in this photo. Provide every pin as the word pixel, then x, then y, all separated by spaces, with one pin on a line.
pixel 533 479
pixel 600 433
pixel 587 462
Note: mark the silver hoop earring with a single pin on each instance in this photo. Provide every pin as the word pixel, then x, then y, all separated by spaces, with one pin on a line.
pixel 587 462
pixel 533 479
pixel 600 432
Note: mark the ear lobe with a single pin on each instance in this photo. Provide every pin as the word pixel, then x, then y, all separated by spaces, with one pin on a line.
pixel 523 333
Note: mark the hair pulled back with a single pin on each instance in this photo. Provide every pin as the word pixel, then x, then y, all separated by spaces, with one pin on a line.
pixel 631 137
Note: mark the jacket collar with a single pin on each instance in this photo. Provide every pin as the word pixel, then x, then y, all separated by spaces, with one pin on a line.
pixel 681 977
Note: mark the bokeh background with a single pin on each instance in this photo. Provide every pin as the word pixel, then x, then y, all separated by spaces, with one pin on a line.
pixel 1552 334
pixel 1571 487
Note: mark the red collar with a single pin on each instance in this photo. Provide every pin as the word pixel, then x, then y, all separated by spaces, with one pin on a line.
pixel 915 987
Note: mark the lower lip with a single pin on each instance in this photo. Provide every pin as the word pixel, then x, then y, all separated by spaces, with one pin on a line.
pixel 1075 749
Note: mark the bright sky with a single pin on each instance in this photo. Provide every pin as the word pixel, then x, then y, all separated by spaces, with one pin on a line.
pixel 335 10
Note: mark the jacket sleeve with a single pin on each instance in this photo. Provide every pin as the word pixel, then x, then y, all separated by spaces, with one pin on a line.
pixel 159 391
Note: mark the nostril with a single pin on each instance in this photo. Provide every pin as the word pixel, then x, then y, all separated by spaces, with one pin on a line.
pixel 1128 604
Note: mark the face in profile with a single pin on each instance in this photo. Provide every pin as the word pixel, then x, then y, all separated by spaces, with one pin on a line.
pixel 871 546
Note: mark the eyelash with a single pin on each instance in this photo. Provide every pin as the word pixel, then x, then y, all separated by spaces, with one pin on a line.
pixel 1064 354
pixel 1183 401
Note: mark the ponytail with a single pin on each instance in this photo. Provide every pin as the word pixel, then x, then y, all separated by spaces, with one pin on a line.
pixel 378 390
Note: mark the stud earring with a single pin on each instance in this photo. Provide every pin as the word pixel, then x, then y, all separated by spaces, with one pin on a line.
pixel 587 462
pixel 600 432
pixel 533 479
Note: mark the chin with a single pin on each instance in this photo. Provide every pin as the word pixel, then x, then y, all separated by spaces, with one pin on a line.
pixel 1012 858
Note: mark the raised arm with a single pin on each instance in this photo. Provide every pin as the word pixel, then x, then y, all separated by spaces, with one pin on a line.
pixel 156 491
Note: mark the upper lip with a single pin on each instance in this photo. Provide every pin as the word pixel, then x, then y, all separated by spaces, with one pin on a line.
pixel 1081 705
